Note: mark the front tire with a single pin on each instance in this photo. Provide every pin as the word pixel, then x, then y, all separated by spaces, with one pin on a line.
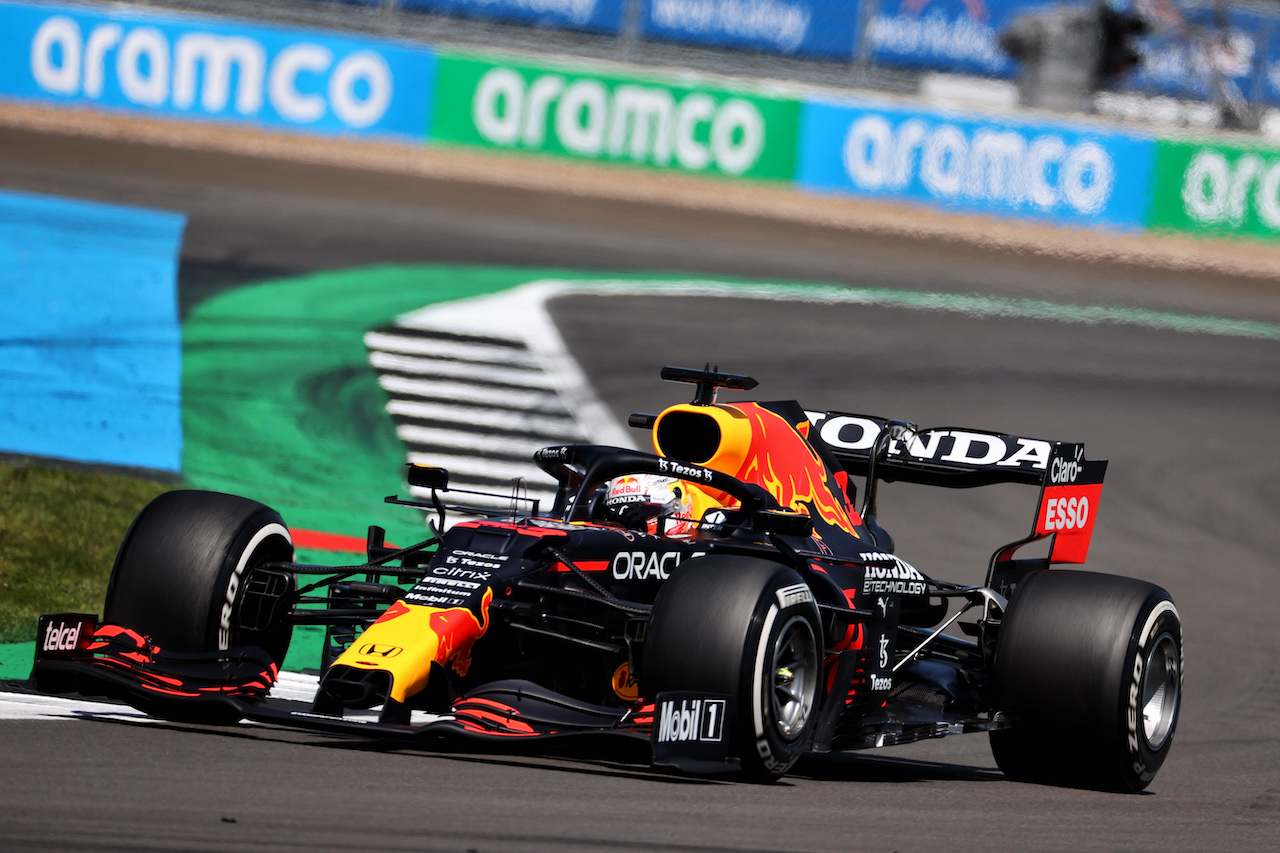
pixel 1089 666
pixel 748 629
pixel 183 570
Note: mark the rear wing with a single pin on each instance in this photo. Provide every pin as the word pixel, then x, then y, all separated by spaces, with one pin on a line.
pixel 1070 485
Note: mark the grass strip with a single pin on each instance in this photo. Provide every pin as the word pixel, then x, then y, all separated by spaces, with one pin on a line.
pixel 59 532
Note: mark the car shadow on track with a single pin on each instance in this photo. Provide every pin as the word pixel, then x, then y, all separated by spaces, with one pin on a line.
pixel 601 756
pixel 593 756
pixel 849 767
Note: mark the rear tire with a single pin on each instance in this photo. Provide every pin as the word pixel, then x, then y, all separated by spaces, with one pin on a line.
pixel 1089 666
pixel 183 569
pixel 748 629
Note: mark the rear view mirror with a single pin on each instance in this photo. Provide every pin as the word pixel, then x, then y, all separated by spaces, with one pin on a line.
pixel 427 477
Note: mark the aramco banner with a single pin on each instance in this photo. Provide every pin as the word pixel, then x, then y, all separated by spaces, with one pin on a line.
pixel 1216 189
pixel 580 113
pixel 211 69
pixel 1080 174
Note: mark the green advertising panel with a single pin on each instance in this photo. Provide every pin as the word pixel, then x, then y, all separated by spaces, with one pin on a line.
pixel 572 111
pixel 1216 189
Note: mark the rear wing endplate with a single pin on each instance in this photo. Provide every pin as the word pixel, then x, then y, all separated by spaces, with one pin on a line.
pixel 1070 485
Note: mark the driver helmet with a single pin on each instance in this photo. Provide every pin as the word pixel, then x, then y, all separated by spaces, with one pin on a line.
pixel 660 505
pixel 650 503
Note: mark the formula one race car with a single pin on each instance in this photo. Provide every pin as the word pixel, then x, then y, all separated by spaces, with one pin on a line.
pixel 723 599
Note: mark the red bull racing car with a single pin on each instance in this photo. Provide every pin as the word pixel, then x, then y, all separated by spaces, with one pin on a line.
pixel 726 599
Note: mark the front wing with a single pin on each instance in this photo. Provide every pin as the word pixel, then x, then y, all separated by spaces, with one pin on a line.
pixel 76 656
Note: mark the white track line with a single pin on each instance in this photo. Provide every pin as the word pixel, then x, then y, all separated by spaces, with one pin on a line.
pixel 469 441
pixel 459 369
pixel 27 706
pixel 551 427
pixel 447 349
pixel 465 392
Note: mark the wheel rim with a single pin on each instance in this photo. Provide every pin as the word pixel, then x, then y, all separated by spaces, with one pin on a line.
pixel 794 676
pixel 1161 689
pixel 270 543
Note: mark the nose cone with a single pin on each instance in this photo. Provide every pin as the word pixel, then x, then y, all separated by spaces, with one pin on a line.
pixel 393 657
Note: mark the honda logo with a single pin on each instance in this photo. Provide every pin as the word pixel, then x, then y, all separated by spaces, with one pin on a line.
pixel 377 650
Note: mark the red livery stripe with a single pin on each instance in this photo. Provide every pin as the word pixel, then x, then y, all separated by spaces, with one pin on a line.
pixel 321 541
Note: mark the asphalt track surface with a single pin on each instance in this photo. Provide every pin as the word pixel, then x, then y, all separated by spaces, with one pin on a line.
pixel 1188 421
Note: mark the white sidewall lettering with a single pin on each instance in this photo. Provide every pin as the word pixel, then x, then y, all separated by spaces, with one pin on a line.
pixel 1159 610
pixel 233 584
pixel 757 683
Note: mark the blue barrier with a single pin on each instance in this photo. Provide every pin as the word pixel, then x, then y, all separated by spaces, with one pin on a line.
pixel 1184 52
pixel 1188 54
pixel 92 351
pixel 1268 83
pixel 817 28
pixel 208 69
pixel 1059 172
pixel 601 16
pixel 945 35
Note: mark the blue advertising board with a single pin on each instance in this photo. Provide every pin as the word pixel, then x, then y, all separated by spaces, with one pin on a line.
pixel 959 36
pixel 1061 172
pixel 213 70
pixel 89 331
pixel 1268 80
pixel 816 28
pixel 1202 53
pixel 602 16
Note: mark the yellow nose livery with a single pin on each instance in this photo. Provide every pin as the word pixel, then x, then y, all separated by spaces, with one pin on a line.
pixel 408 638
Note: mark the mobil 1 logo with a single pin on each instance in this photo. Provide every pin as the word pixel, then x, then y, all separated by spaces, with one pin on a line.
pixel 690 729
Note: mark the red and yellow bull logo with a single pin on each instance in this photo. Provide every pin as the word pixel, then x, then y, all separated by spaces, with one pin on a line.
pixel 759 446
pixel 783 462
pixel 625 686
pixel 420 636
